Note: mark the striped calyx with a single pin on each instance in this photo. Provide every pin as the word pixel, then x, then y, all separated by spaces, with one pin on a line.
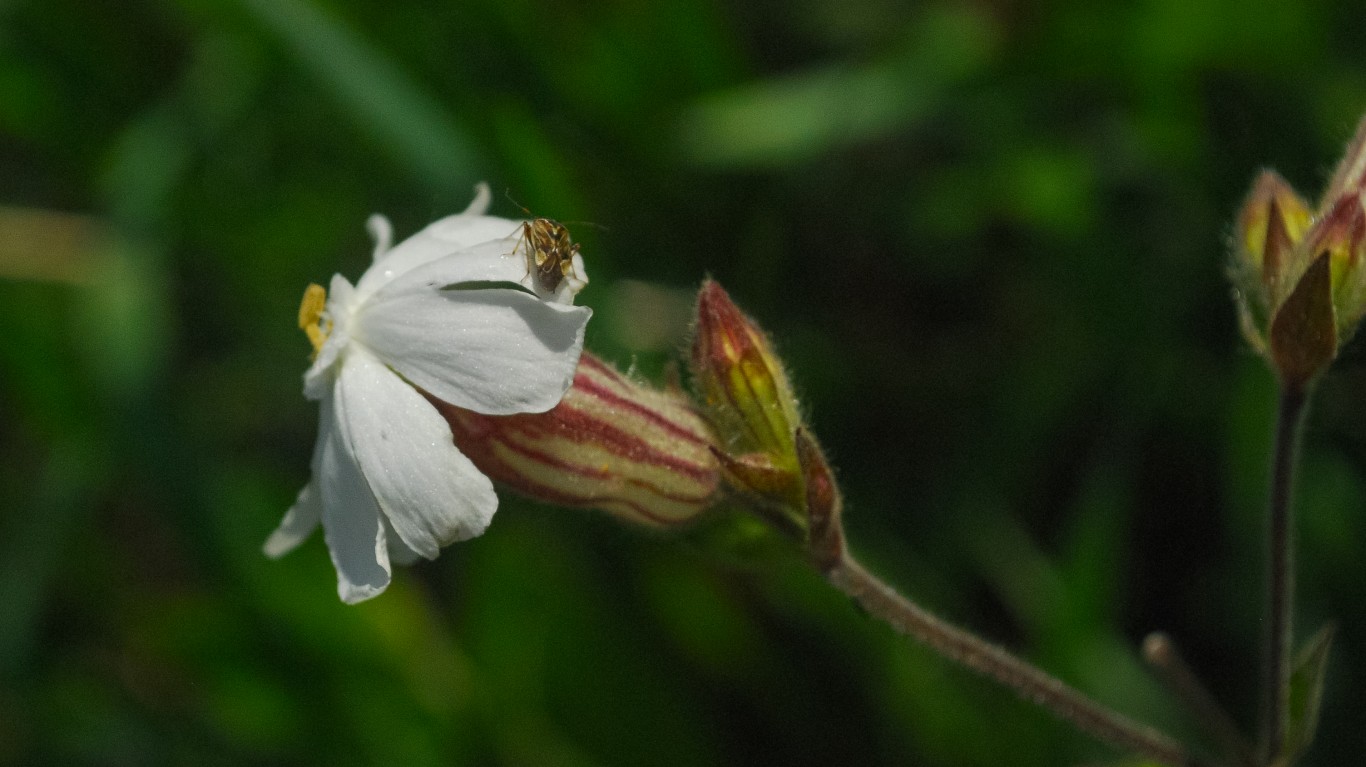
pixel 747 397
pixel 612 444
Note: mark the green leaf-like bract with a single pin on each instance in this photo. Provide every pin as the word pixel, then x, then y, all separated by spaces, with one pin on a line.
pixel 1306 691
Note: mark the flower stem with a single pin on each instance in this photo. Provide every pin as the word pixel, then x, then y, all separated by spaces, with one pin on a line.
pixel 1032 683
pixel 829 553
pixel 1280 570
pixel 1161 653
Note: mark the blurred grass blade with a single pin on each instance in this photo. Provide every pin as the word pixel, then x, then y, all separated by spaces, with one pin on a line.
pixel 48 246
pixel 787 120
pixel 409 121
pixel 33 544
pixel 1306 693
pixel 791 119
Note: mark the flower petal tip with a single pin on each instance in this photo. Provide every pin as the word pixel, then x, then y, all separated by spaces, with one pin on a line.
pixel 480 204
pixel 382 232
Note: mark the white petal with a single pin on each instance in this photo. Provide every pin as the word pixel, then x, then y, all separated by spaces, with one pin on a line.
pixel 350 514
pixel 341 300
pixel 399 553
pixel 447 237
pixel 382 232
pixel 299 523
pixel 303 517
pixel 428 490
pixel 491 261
pixel 495 351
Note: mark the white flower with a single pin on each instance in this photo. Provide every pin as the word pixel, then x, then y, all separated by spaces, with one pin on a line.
pixel 436 315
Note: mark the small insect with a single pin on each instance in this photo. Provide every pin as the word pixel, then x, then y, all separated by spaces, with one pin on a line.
pixel 549 252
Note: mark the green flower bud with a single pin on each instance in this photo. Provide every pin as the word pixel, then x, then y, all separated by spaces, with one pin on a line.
pixel 746 394
pixel 1297 274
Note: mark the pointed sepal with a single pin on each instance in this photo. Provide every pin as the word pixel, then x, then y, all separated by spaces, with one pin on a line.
pixel 1306 693
pixel 1303 337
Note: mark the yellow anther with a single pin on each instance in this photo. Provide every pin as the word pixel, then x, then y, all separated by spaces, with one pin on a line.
pixel 311 317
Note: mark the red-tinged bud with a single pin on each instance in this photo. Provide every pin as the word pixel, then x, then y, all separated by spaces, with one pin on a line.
pixel 1341 235
pixel 746 394
pixel 612 444
pixel 1350 174
pixel 1298 274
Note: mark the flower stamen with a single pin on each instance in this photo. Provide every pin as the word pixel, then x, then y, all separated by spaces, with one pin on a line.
pixel 313 319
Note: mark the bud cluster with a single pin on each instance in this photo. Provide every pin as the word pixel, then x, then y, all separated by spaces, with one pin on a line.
pixel 1298 272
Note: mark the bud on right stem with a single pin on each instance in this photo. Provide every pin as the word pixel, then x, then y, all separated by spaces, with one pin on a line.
pixel 1298 274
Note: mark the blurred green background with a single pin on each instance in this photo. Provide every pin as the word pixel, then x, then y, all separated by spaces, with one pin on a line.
pixel 988 236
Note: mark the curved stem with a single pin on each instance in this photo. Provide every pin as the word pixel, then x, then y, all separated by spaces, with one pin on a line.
pixel 828 552
pixel 1280 571
pixel 1032 683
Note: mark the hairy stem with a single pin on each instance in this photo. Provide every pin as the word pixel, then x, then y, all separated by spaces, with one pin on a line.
pixel 1280 571
pixel 1161 653
pixel 828 552
pixel 1032 684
